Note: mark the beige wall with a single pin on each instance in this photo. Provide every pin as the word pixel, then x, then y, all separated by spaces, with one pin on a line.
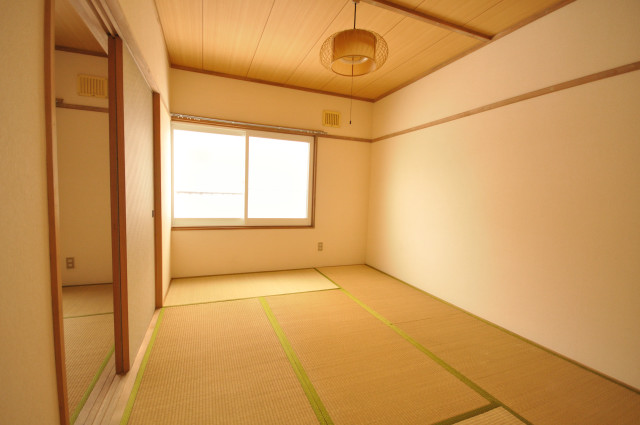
pixel 215 97
pixel 582 38
pixel 68 66
pixel 138 146
pixel 342 181
pixel 144 24
pixel 146 31
pixel 165 129
pixel 527 215
pixel 341 202
pixel 84 196
pixel 83 174
pixel 27 372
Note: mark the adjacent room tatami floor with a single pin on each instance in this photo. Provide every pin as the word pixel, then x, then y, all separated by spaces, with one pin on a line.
pixel 351 345
pixel 88 333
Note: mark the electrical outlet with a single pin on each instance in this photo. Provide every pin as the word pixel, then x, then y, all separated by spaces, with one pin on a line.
pixel 71 262
pixel 320 246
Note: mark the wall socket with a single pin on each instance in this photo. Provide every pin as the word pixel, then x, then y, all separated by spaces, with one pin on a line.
pixel 71 262
pixel 320 246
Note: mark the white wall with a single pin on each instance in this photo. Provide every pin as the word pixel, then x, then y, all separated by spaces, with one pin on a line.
pixel 28 394
pixel 83 174
pixel 341 190
pixel 527 215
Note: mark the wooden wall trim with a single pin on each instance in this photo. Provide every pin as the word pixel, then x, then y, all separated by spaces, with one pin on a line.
pixel 81 51
pixel 157 197
pixel 262 127
pixel 60 104
pixel 269 83
pixel 338 137
pixel 530 95
pixel 53 211
pixel 118 206
pixel 314 184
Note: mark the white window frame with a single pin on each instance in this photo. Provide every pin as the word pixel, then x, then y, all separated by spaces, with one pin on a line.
pixel 246 222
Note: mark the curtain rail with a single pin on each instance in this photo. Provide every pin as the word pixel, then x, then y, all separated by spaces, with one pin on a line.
pixel 248 125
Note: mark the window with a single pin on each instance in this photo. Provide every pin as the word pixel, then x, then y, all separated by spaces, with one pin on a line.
pixel 228 177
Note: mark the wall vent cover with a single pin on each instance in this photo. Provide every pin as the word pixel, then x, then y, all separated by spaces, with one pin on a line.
pixel 331 118
pixel 89 85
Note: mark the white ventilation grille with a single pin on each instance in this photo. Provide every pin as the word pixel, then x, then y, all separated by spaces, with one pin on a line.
pixel 88 85
pixel 331 119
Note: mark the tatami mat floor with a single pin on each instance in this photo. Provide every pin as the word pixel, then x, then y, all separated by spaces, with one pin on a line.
pixel 371 351
pixel 88 339
pixel 195 290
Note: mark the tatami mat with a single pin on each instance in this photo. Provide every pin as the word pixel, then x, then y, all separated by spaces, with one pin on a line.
pixel 219 363
pixel 87 299
pixel 230 287
pixel 88 345
pixel 391 298
pixel 497 416
pixel 363 371
pixel 538 385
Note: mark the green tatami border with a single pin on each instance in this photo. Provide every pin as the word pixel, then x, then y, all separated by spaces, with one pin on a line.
pixel 134 391
pixel 493 400
pixel 468 415
pixel 94 381
pixel 507 331
pixel 316 404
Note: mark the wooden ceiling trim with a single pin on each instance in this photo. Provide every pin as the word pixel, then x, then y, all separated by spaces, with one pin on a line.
pixel 277 42
pixel 430 71
pixel 453 45
pixel 404 41
pixel 560 4
pixel 429 19
pixel 507 13
pixel 458 11
pixel 269 83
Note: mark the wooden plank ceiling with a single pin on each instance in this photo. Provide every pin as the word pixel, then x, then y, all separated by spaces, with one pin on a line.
pixel 278 41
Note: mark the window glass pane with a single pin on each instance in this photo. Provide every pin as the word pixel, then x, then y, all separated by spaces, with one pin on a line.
pixel 278 178
pixel 209 173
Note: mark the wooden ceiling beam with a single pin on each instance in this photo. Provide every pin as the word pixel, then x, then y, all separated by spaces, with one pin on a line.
pixel 393 7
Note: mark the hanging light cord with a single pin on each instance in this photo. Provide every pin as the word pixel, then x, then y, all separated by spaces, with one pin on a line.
pixel 355 10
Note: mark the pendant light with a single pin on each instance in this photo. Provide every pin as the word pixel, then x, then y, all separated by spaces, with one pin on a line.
pixel 354 52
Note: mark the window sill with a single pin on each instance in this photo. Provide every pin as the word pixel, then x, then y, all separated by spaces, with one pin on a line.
pixel 176 228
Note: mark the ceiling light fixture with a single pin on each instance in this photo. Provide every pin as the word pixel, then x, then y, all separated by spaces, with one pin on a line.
pixel 354 52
